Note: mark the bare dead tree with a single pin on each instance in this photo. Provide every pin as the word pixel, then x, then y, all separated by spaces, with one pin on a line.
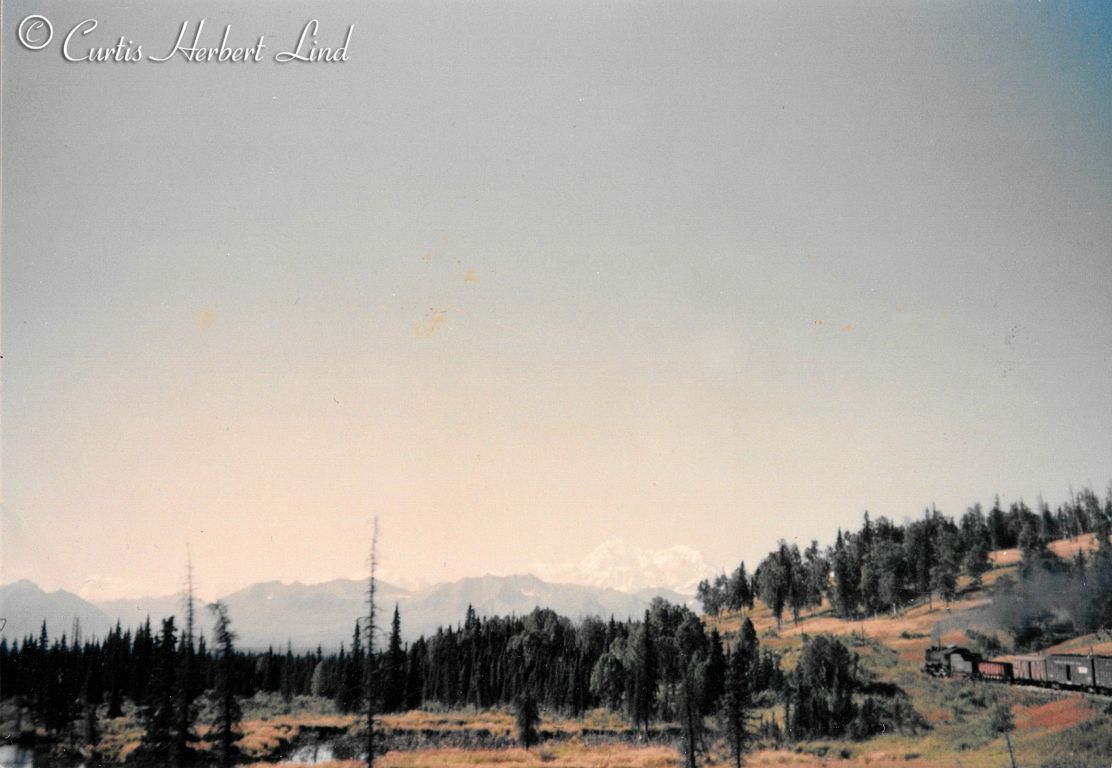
pixel 187 683
pixel 187 596
pixel 371 628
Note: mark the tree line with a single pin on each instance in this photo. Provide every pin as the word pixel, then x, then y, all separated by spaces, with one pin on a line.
pixel 885 566
pixel 664 667
pixel 165 676
pixel 65 682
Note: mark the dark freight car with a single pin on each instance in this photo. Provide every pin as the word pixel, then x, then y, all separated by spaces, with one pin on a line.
pixel 1102 670
pixel 1000 671
pixel 1030 669
pixel 1069 670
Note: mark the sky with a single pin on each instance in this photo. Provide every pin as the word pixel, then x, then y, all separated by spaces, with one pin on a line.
pixel 520 278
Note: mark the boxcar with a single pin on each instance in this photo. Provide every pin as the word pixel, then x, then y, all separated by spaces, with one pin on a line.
pixel 1102 672
pixel 1029 669
pixel 1000 671
pixel 1069 670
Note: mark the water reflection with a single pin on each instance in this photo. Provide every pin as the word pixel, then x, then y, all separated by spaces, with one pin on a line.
pixel 312 754
pixel 15 756
pixel 12 756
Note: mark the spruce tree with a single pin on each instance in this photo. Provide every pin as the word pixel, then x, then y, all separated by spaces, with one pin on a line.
pixel 1034 553
pixel 749 645
pixel 90 735
pixel 349 697
pixel 739 593
pixel 816 575
pixel 796 583
pixel 159 713
pixel 644 677
pixel 142 656
pixel 285 684
pixel 341 670
pixel 709 596
pixel 57 694
pixel 714 674
pixel 736 702
pixel 225 728
pixel 415 674
pixel 944 572
pixel 526 717
pixel 394 667
pixel 822 686
pixel 115 653
pixel 976 561
pixel 692 650
pixel 773 587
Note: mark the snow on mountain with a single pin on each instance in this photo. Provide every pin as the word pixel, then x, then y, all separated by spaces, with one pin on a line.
pixel 308 615
pixel 445 604
pixel 617 564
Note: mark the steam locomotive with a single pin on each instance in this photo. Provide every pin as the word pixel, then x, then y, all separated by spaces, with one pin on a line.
pixel 1081 672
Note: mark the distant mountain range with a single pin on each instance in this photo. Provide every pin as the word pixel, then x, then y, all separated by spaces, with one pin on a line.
pixel 24 607
pixel 308 615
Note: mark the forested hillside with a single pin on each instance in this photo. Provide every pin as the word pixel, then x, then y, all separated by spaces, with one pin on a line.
pixel 886 567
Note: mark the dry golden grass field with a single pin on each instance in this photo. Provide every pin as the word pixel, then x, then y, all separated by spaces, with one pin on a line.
pixel 1065 548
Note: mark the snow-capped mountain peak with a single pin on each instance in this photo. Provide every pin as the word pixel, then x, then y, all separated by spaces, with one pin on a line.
pixel 617 564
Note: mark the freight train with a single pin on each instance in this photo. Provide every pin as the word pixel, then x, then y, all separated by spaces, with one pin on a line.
pixel 1081 672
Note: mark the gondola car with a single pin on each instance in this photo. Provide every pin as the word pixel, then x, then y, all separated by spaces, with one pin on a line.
pixel 1000 671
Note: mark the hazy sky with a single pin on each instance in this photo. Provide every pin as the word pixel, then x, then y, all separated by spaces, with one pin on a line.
pixel 520 277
